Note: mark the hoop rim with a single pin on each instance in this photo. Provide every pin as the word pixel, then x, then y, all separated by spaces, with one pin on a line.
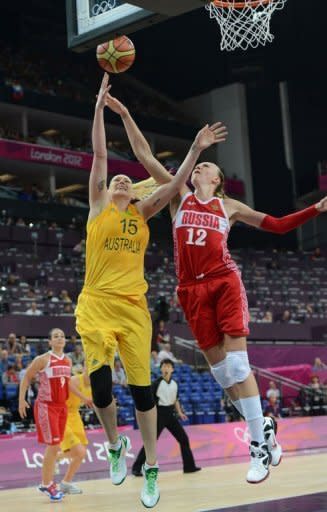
pixel 239 5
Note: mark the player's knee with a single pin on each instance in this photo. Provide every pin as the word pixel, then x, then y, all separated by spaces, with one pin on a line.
pixel 143 397
pixel 238 365
pixel 101 385
pixel 221 374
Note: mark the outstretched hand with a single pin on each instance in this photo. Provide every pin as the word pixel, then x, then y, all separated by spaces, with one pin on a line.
pixel 322 205
pixel 103 92
pixel 115 105
pixel 210 135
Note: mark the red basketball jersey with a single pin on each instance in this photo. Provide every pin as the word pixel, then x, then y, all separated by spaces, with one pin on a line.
pixel 200 239
pixel 54 380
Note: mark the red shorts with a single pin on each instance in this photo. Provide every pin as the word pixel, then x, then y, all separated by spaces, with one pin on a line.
pixel 50 420
pixel 214 308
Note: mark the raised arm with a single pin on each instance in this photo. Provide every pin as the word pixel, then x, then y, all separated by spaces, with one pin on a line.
pixel 98 175
pixel 140 145
pixel 279 225
pixel 153 204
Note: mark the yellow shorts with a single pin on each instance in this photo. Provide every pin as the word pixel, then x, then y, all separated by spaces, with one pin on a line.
pixel 74 432
pixel 108 324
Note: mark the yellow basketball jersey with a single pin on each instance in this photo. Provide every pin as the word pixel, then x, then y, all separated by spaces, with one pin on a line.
pixel 74 402
pixel 115 247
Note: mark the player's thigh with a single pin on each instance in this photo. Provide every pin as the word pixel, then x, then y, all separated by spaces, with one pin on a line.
pixel 94 323
pixel 135 343
pixel 232 306
pixel 200 312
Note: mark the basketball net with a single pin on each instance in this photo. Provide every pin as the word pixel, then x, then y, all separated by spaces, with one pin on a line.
pixel 244 24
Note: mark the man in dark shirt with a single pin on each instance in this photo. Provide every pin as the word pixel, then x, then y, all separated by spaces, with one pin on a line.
pixel 165 391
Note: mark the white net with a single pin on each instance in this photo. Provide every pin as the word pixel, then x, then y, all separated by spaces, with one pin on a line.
pixel 244 26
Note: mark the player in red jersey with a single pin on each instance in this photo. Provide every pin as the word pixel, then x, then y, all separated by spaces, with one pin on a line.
pixel 210 288
pixel 50 411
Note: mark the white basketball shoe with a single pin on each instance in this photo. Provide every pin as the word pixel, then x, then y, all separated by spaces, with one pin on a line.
pixel 259 465
pixel 117 459
pixel 275 449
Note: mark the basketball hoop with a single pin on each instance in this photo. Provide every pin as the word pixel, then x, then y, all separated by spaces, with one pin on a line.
pixel 244 24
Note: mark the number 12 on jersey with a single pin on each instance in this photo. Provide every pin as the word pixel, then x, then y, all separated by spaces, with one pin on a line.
pixel 196 236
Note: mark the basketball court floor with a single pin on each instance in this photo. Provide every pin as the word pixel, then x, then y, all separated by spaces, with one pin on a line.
pixel 298 484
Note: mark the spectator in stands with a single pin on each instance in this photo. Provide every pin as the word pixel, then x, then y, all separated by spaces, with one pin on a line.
pixel 20 222
pixel 318 365
pixel 316 254
pixel 71 344
pixel 286 317
pixel 161 309
pixel 4 360
pixel 25 346
pixel 267 317
pixel 10 375
pixel 12 345
pixel 77 357
pixel 273 391
pixel 154 360
pixel 30 294
pixel 33 310
pixel 79 249
pixel 316 395
pixel 118 374
pixel 68 310
pixel 272 409
pixel 163 335
pixel 166 353
pixel 64 297
pixel 12 280
pixel 50 296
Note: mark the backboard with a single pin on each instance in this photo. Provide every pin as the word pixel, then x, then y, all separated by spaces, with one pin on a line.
pixel 90 22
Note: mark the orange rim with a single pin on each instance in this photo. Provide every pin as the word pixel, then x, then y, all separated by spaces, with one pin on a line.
pixel 240 5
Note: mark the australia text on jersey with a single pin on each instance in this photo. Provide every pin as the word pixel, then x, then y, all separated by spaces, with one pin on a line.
pixel 122 244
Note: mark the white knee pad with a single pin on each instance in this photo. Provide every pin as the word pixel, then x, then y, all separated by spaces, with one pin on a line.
pixel 221 374
pixel 238 366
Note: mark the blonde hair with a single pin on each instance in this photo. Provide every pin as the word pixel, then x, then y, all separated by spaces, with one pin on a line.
pixel 220 189
pixel 145 188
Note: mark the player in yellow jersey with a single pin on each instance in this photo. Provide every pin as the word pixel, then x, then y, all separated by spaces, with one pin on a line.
pixel 112 310
pixel 73 445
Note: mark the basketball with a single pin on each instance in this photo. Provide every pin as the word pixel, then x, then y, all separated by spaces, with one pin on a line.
pixel 117 55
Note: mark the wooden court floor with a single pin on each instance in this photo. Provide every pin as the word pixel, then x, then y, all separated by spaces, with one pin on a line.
pixel 211 488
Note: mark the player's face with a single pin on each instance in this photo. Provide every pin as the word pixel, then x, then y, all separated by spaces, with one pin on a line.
pixel 166 370
pixel 58 340
pixel 121 186
pixel 205 173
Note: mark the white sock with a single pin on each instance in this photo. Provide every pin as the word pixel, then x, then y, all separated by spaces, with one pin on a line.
pixel 252 413
pixel 237 404
pixel 116 445
pixel 148 466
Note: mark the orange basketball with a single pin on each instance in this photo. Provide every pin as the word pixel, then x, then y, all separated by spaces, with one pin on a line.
pixel 117 55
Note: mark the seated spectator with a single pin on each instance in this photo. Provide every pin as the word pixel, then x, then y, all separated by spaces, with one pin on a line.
pixel 163 335
pixel 71 344
pixel 30 294
pixel 273 390
pixel 12 280
pixel 286 317
pixel 68 310
pixel 20 222
pixel 4 360
pixel 12 345
pixel 10 375
pixel 118 374
pixel 50 296
pixel 166 353
pixel 161 309
pixel 154 360
pixel 267 317
pixel 318 365
pixel 25 346
pixel 77 357
pixel 272 409
pixel 64 297
pixel 79 249
pixel 33 310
